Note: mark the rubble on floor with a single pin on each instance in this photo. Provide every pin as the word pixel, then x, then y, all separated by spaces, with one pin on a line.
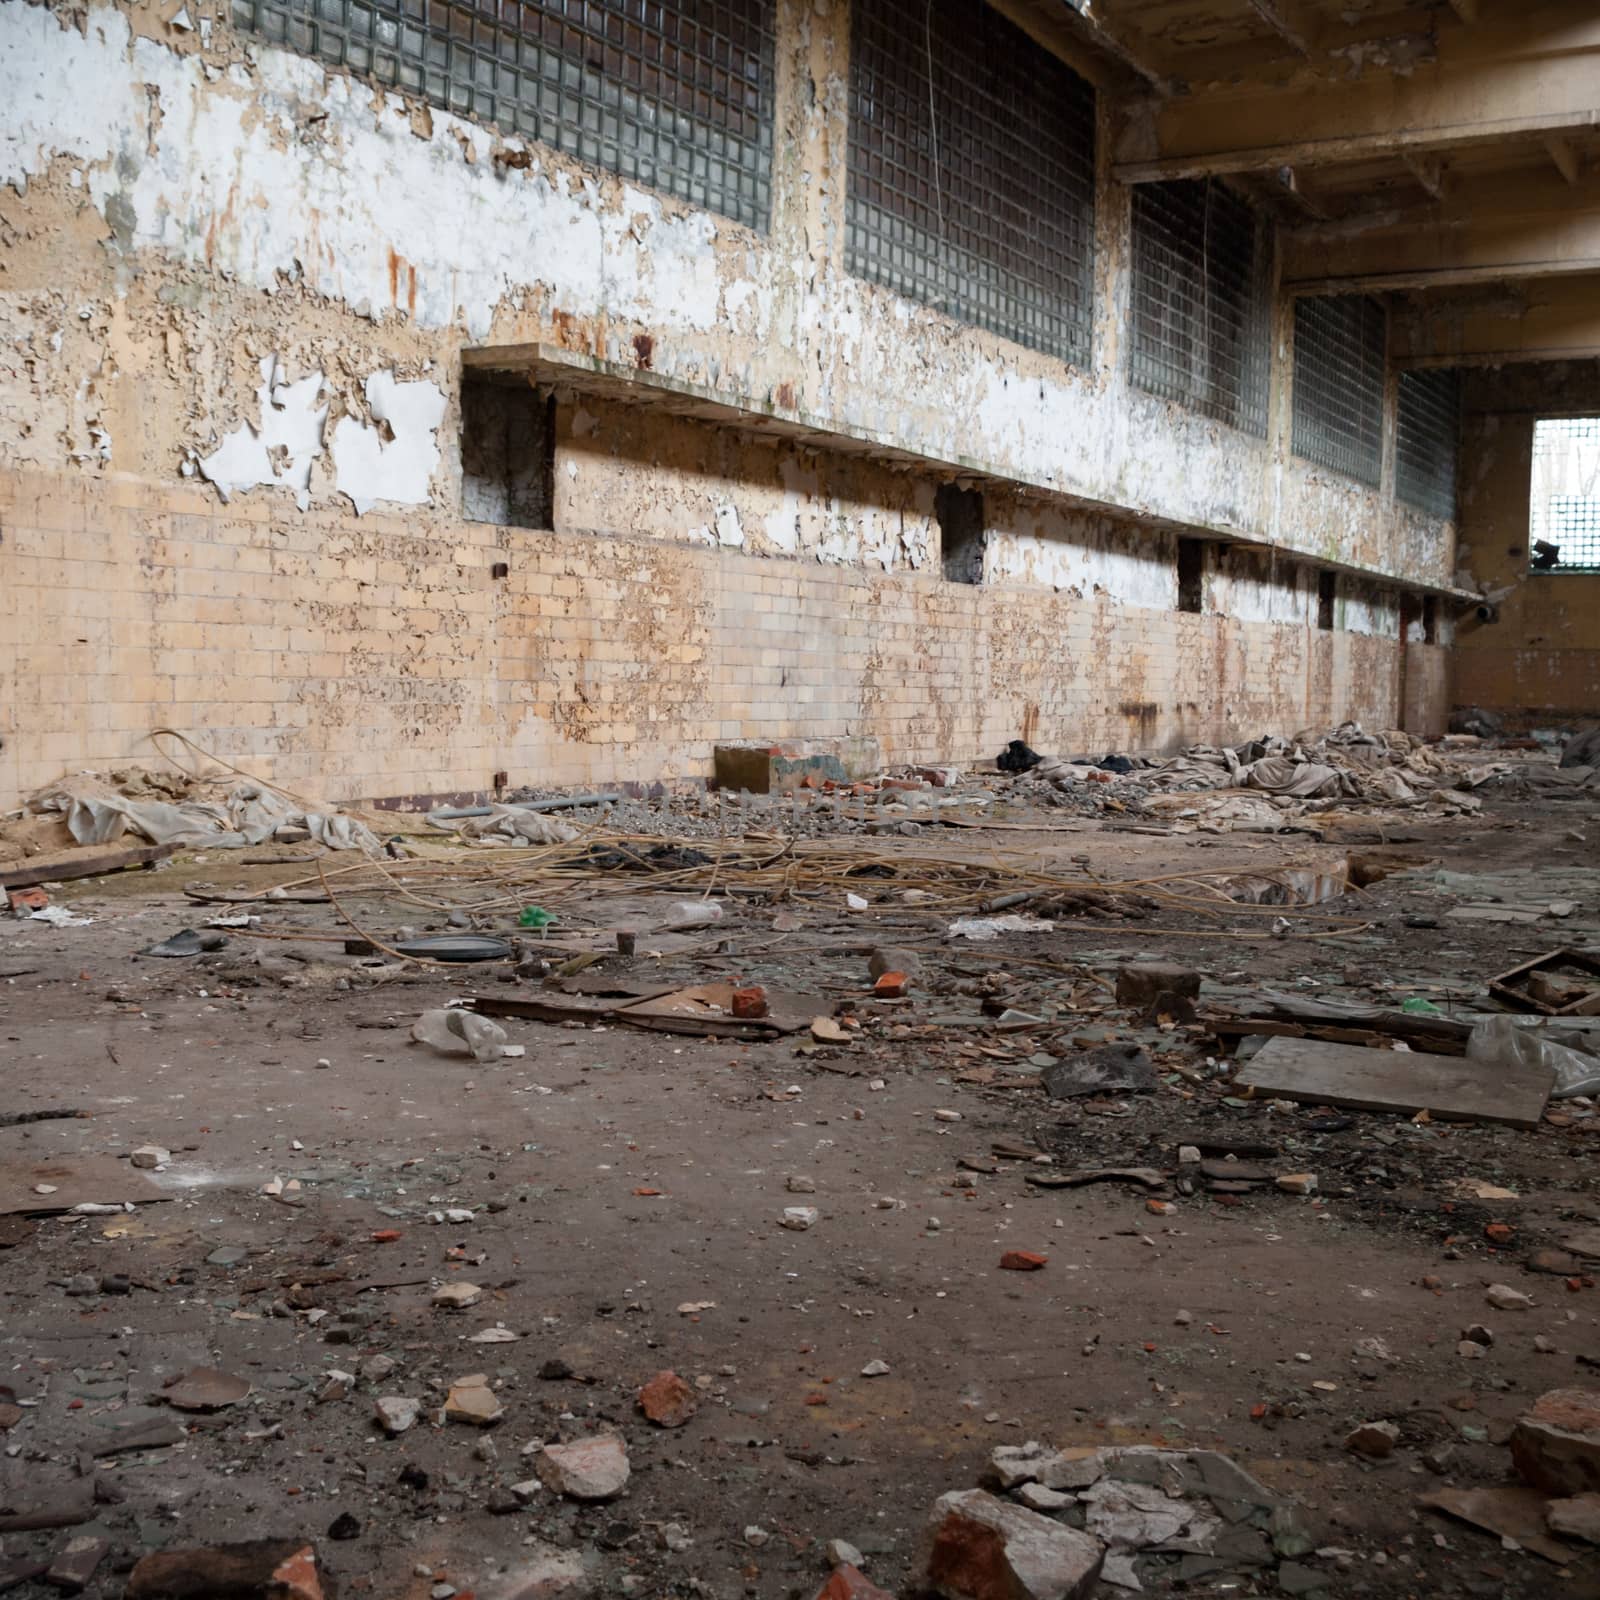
pixel 735 1213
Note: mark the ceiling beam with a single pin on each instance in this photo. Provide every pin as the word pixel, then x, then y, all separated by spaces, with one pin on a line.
pixel 1109 55
pixel 1527 79
pixel 1482 248
pixel 1519 225
pixel 1557 320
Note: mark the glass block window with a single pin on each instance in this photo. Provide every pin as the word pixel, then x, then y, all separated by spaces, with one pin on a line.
pixel 1428 441
pixel 1202 301
pixel 1564 508
pixel 676 96
pixel 1339 352
pixel 972 171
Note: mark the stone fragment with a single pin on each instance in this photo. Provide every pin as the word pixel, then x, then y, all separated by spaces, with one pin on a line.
pixel 258 1569
pixel 75 1563
pixel 841 1553
pixel 1577 1517
pixel 1555 1262
pixel 472 1400
pixel 1375 1440
pixel 1038 1498
pixel 335 1385
pixel 376 1368
pixel 1478 1334
pixel 667 1400
pixel 798 1218
pixel 587 1469
pixel 396 1412
pixel 756 1536
pixel 888 958
pixel 457 1296
pixel 150 1156
pixel 800 1185
pixel 1037 1463
pixel 1298 1182
pixel 1110 1069
pixel 1504 1298
pixel 1556 1445
pixel 206 1389
pixel 1188 1155
pixel 981 1548
pixel 848 1582
pixel 1140 983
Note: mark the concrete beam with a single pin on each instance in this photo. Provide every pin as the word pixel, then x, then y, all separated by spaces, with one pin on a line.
pixel 1292 20
pixel 1519 226
pixel 1567 160
pixel 1527 77
pixel 1556 320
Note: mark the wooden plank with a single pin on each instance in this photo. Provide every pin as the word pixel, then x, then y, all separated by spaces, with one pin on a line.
pixel 1407 1081
pixel 58 869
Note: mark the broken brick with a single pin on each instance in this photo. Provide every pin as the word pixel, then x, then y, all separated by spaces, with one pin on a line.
pixel 667 1400
pixel 850 1583
pixel 750 1003
pixel 258 1569
pixel 1556 1445
pixel 1022 1261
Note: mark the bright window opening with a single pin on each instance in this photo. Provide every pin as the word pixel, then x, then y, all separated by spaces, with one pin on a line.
pixel 1564 507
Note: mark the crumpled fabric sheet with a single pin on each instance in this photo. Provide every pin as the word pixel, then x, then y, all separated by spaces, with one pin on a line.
pixel 1305 780
pixel 249 815
pixel 506 825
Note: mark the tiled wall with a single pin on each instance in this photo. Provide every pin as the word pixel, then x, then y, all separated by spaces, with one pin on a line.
pixel 373 658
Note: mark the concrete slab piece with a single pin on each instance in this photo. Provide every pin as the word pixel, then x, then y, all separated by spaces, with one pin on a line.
pixel 71 1181
pixel 1357 1079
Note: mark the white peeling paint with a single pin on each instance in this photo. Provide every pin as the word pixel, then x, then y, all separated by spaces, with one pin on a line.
pixel 729 532
pixel 283 449
pixel 370 468
pixel 249 177
pixel 1084 556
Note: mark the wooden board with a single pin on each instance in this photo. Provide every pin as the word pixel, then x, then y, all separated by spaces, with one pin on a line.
pixel 91 864
pixel 1356 1079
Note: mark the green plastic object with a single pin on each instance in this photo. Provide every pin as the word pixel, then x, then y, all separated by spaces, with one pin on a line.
pixel 535 917
pixel 1418 1007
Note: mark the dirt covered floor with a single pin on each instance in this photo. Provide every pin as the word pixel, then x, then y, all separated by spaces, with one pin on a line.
pixel 620 1199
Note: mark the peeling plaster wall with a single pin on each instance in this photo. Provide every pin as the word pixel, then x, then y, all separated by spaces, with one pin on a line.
pixel 219 261
pixel 263 175
pixel 365 657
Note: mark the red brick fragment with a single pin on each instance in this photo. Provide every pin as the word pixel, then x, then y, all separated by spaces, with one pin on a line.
pixel 851 1583
pixel 667 1400
pixel 750 1003
pixel 891 986
pixel 1022 1261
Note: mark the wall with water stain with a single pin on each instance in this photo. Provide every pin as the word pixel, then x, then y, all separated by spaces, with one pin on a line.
pixel 238 283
